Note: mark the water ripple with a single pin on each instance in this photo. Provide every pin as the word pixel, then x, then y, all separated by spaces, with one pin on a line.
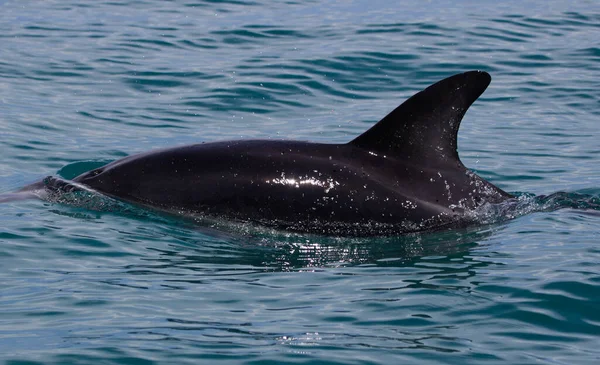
pixel 95 280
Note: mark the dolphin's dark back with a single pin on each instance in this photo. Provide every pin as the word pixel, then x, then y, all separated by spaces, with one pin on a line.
pixel 402 175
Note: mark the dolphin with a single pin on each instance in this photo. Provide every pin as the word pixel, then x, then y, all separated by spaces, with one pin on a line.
pixel 402 175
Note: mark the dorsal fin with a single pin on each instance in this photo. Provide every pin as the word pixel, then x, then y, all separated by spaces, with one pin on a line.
pixel 424 128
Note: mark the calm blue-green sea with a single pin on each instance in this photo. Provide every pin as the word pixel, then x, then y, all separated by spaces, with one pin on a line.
pixel 83 83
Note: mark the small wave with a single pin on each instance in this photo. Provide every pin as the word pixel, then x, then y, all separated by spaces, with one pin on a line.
pixel 587 201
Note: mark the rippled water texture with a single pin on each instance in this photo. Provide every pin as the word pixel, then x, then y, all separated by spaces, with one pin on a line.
pixel 85 82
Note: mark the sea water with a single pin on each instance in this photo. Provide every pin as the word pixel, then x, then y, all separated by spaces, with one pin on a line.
pixel 83 83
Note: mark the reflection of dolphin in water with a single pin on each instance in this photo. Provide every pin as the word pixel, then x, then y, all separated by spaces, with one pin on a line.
pixel 402 175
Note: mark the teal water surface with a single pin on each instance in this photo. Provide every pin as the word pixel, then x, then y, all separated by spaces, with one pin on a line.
pixel 83 83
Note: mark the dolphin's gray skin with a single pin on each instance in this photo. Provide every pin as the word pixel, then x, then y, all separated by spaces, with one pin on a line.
pixel 402 175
